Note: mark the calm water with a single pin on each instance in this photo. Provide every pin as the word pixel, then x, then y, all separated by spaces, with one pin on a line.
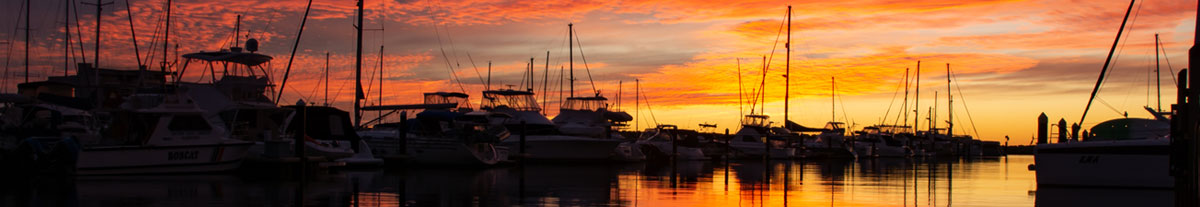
pixel 881 182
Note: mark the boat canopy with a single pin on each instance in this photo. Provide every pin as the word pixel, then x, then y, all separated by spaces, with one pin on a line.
pixel 519 100
pixel 445 98
pixel 756 120
pixel 248 59
pixel 585 103
pixel 835 126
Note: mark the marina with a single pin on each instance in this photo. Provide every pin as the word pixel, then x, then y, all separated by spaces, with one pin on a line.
pixel 209 118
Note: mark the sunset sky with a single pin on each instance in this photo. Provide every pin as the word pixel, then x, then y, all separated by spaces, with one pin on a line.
pixel 1012 59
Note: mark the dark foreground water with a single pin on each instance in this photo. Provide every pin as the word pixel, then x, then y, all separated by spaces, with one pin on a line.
pixel 878 182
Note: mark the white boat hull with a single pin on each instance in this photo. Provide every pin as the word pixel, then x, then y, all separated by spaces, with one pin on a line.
pixel 161 159
pixel 1132 163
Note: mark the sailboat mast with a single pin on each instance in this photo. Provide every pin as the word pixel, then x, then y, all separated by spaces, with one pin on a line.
pixel 571 53
pixel 132 34
pixel 787 76
pixel 1108 60
pixel 762 92
pixel 1157 75
pixel 904 107
pixel 67 36
pixel 99 7
pixel 166 37
pixel 546 83
pixel 949 105
pixel 833 99
pixel 741 112
pixel 637 99
pixel 380 113
pixel 358 68
pixel 326 79
pixel 917 98
pixel 27 11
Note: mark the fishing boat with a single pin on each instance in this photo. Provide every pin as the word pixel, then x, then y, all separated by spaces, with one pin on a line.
pixel 162 133
pixel 444 133
pixel 669 142
pixel 874 141
pixel 757 138
pixel 829 142
pixel 538 138
pixel 591 117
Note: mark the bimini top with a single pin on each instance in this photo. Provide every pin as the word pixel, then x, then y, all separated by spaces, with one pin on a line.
pixel 518 100
pixel 594 103
pixel 248 59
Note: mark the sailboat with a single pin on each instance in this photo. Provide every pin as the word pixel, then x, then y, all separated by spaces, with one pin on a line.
pixel 1123 152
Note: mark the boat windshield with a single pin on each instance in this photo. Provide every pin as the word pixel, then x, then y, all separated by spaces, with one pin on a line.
pixel 585 103
pixel 835 125
pixel 755 120
pixel 519 100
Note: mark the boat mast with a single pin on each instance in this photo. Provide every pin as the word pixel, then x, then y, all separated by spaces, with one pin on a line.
pixel 637 99
pixel 762 92
pixel 571 53
pixel 904 107
pixel 99 7
pixel 326 78
pixel 27 11
pixel 545 84
pixel 67 36
pixel 833 99
pixel 1108 60
pixel 787 78
pixel 917 98
pixel 949 105
pixel 1157 75
pixel 166 39
pixel 531 76
pixel 132 34
pixel 358 68
pixel 741 112
pixel 380 113
pixel 488 86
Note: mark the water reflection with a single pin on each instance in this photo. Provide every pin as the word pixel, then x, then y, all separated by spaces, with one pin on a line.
pixel 868 182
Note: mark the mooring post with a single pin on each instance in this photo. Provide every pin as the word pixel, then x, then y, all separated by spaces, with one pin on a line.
pixel 1043 129
pixel 1180 165
pixel 727 139
pixel 1062 130
pixel 403 130
pixel 298 144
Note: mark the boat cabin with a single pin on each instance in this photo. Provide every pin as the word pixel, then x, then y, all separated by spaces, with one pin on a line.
pixel 595 103
pixel 756 120
pixel 516 100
